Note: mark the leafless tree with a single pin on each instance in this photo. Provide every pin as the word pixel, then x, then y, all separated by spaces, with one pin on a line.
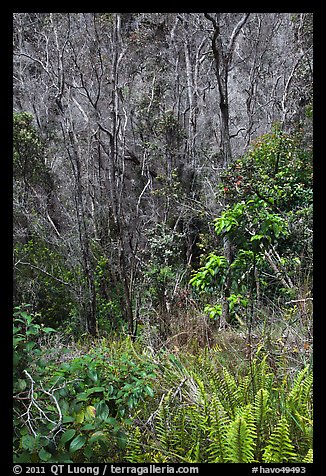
pixel 140 114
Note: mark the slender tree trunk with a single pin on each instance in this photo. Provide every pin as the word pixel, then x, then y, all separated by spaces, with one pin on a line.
pixel 89 306
pixel 222 61
pixel 117 194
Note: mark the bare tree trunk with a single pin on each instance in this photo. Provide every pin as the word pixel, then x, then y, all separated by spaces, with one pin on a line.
pixel 222 61
pixel 89 307
pixel 116 198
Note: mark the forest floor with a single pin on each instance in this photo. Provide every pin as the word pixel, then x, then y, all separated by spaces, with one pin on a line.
pixel 237 396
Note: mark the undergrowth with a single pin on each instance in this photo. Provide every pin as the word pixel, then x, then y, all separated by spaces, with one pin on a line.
pixel 114 400
pixel 208 414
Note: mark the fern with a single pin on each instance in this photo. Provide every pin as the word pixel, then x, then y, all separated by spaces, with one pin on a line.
pixel 201 421
pixel 187 437
pixel 210 415
pixel 261 413
pixel 260 375
pixel 134 450
pixel 194 454
pixel 244 390
pixel 241 437
pixel 182 438
pixel 309 457
pixel 225 388
pixel 299 408
pixel 217 452
pixel 280 448
pixel 300 394
pixel 163 424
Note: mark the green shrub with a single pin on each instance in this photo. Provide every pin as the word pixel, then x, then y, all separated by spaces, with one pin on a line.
pixel 268 221
pixel 85 405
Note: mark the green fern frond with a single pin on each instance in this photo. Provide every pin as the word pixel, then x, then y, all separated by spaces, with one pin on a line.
pixel 260 374
pixel 299 407
pixel 301 391
pixel 213 415
pixel 162 423
pixel 241 436
pixel 187 431
pixel 226 389
pixel 222 384
pixel 309 456
pixel 244 390
pixel 194 454
pixel 217 452
pixel 280 448
pixel 134 450
pixel 261 413
pixel 262 409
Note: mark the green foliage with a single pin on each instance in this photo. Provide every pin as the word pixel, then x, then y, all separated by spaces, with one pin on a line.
pixel 275 179
pixel 213 311
pixel 262 416
pixel 309 456
pixel 241 436
pixel 113 403
pixel 26 333
pixel 299 404
pixel 85 404
pixel 280 448
pixel 218 428
pixel 211 274
pixel 41 281
pixel 269 196
pixel 211 415
pixel 28 152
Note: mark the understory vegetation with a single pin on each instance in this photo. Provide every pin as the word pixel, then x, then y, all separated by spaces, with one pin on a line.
pixel 115 400
pixel 162 218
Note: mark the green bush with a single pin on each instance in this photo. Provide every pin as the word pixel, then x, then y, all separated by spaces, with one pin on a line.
pixel 78 411
pixel 267 220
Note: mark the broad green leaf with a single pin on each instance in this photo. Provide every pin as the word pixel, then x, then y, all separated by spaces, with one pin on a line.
pixel 68 419
pixel 77 443
pixel 21 384
pixel 95 390
pixel 28 442
pixel 256 237
pixel 88 451
pixel 82 397
pixel 88 427
pixel 149 391
pixel 79 418
pixel 121 439
pixel 97 436
pixel 102 410
pixel 111 421
pixel 92 374
pixel 30 346
pixel 48 329
pixel 44 455
pixel 90 412
pixel 67 435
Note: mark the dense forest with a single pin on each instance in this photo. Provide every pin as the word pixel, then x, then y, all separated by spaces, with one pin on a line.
pixel 162 229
